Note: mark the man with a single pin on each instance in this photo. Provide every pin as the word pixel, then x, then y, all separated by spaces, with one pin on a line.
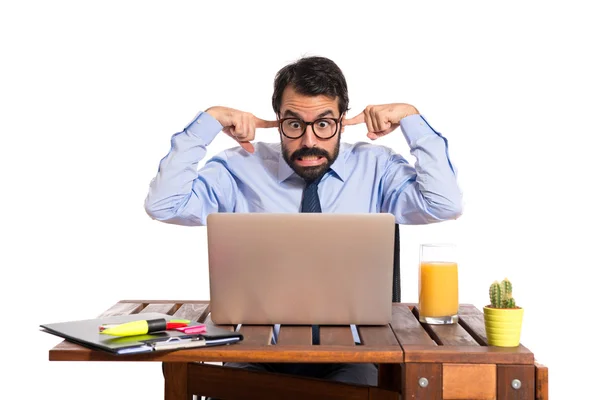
pixel 310 101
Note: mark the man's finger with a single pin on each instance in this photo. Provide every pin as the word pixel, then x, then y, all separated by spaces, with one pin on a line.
pixel 377 135
pixel 359 119
pixel 247 146
pixel 261 123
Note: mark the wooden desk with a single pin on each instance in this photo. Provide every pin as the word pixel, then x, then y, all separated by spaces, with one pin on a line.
pixel 419 361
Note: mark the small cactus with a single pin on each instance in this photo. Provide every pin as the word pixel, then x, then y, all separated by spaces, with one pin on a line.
pixel 501 294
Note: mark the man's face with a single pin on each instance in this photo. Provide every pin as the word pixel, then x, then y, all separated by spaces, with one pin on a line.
pixel 310 156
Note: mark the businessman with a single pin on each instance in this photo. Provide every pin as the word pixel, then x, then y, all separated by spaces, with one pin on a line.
pixel 309 170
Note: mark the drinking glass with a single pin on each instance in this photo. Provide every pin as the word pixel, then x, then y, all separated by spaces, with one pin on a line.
pixel 438 284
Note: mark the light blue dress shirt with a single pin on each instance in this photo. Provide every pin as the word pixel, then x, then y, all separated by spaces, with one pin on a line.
pixel 365 178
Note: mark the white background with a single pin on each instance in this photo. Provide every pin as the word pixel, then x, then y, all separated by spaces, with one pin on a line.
pixel 92 92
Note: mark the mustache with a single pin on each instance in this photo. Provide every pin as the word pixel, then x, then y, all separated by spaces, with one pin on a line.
pixel 310 151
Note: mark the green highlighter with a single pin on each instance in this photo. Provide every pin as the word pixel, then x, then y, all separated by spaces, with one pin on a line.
pixel 142 327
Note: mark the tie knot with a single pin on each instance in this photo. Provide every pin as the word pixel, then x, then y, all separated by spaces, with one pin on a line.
pixel 314 182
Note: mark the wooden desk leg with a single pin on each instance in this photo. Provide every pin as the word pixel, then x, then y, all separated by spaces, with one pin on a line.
pixel 541 382
pixel 176 381
pixel 390 377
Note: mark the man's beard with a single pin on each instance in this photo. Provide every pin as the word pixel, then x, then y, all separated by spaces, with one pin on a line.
pixel 313 172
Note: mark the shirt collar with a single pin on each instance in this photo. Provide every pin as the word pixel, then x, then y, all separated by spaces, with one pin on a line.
pixel 338 167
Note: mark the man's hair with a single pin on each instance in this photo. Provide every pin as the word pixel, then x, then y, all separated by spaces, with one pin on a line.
pixel 312 76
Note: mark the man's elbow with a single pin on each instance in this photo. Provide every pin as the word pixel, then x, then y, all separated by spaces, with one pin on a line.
pixel 158 211
pixel 455 211
pixel 449 210
pixel 170 214
pixel 154 213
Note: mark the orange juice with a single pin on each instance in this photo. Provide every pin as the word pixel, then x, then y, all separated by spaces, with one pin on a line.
pixel 438 289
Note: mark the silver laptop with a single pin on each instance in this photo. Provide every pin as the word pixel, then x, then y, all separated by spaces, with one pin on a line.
pixel 301 269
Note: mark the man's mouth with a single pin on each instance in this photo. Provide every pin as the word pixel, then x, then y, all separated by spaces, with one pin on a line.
pixel 310 161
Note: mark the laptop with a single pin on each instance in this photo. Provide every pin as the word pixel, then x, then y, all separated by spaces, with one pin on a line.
pixel 301 269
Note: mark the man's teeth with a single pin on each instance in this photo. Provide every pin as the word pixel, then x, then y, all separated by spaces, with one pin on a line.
pixel 309 158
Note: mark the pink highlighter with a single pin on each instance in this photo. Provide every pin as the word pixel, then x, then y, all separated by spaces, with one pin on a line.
pixel 192 329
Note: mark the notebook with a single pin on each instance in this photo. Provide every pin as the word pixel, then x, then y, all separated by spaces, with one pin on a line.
pixel 299 269
pixel 86 333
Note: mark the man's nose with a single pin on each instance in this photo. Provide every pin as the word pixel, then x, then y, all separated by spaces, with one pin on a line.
pixel 309 139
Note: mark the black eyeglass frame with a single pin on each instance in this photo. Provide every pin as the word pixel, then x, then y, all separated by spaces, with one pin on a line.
pixel 338 122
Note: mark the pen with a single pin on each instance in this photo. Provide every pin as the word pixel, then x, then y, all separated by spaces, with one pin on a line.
pixel 142 327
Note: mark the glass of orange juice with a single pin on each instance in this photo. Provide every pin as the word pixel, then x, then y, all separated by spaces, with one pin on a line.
pixel 438 284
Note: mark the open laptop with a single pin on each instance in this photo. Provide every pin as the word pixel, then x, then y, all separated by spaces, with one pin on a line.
pixel 300 269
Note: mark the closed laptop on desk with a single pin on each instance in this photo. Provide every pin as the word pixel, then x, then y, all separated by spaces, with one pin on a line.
pixel 306 268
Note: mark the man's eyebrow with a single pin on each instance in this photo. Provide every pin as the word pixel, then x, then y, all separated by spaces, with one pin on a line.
pixel 289 113
pixel 324 113
pixel 293 114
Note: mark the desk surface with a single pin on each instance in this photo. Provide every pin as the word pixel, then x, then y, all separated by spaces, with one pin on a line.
pixel 404 340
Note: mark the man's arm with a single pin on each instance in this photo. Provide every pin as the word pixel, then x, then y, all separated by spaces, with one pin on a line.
pixel 429 191
pixel 426 193
pixel 179 194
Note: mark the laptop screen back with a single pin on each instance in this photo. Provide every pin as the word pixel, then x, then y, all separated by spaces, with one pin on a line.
pixel 305 268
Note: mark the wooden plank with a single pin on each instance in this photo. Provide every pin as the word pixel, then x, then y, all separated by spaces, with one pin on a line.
pixel 469 381
pixel 256 335
pixel 468 309
pixel 166 301
pixel 525 374
pixel 390 377
pixel 123 309
pixel 451 335
pixel 407 328
pixel 192 311
pixel 64 351
pixel 164 308
pixel 377 336
pixel 413 373
pixel 336 336
pixel 240 352
pixel 468 354
pixel 376 393
pixel 471 319
pixel 176 381
pixel 448 335
pixel 235 383
pixel 541 382
pixel 475 326
pixel 295 335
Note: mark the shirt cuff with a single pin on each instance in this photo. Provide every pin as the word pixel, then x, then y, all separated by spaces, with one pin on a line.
pixel 415 127
pixel 204 127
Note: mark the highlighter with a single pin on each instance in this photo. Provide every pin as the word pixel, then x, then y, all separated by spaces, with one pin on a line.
pixel 142 327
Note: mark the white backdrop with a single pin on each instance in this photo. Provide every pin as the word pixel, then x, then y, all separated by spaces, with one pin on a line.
pixel 91 93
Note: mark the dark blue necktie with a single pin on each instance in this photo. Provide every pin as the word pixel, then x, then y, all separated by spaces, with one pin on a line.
pixel 310 197
pixel 311 204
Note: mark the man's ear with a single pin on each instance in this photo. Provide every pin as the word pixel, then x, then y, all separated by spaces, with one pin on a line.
pixel 343 126
pixel 278 126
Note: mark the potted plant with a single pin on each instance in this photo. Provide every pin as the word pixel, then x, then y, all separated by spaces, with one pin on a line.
pixel 502 316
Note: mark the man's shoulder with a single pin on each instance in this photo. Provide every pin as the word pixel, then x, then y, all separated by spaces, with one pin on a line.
pixel 262 152
pixel 362 149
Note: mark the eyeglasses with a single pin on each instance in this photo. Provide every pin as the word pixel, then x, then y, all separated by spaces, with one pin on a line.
pixel 323 128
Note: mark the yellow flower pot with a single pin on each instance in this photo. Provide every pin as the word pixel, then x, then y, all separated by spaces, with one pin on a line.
pixel 503 326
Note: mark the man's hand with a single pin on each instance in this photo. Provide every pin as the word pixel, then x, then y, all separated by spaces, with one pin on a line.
pixel 382 119
pixel 240 125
